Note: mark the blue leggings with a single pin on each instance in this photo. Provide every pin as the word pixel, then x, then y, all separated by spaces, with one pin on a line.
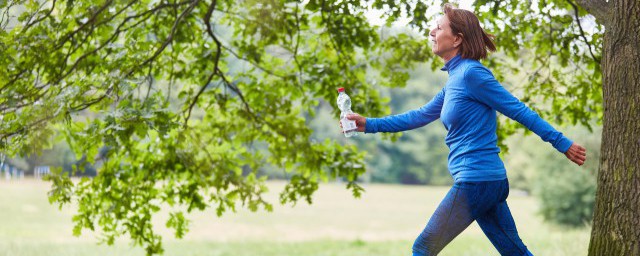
pixel 484 202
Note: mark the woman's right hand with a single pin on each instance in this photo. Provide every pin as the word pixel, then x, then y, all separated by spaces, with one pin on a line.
pixel 361 122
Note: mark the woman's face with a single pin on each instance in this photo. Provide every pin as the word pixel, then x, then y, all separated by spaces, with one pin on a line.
pixel 445 44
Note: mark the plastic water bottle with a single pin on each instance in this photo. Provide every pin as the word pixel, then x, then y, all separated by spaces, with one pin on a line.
pixel 344 104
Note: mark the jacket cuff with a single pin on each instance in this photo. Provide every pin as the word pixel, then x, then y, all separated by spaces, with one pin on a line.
pixel 371 126
pixel 564 144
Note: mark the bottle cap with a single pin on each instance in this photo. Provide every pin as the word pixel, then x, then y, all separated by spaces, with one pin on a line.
pixel 341 89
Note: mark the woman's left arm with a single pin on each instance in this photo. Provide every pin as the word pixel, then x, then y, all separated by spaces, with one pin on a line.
pixel 484 88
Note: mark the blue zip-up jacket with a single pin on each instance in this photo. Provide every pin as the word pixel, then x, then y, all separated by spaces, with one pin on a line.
pixel 467 107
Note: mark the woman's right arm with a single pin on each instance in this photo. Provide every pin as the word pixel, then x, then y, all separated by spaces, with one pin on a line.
pixel 409 120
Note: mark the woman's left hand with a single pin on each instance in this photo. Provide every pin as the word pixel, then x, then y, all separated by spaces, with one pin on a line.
pixel 577 154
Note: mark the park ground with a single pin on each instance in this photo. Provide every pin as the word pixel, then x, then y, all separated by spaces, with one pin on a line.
pixel 384 222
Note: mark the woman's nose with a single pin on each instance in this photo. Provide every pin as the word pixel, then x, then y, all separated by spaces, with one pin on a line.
pixel 432 33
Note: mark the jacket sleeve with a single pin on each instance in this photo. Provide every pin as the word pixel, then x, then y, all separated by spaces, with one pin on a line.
pixel 409 120
pixel 484 88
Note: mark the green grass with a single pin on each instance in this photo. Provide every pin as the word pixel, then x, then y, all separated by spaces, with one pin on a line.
pixel 383 222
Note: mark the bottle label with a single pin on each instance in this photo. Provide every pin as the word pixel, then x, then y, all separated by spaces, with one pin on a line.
pixel 348 125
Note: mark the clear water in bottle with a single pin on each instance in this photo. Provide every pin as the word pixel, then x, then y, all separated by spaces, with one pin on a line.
pixel 344 104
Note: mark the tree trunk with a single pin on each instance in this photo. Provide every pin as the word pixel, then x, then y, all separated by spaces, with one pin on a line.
pixel 616 221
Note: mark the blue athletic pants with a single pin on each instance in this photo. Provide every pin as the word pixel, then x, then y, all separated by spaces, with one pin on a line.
pixel 484 202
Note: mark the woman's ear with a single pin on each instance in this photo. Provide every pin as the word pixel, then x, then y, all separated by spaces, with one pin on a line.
pixel 458 40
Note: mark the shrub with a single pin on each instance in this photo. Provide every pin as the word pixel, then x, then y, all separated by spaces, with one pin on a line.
pixel 567 197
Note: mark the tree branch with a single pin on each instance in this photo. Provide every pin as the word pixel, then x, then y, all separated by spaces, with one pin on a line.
pixel 270 72
pixel 295 50
pixel 90 103
pixel 227 83
pixel 216 60
pixel 598 8
pixel 169 38
pixel 216 69
pixel 71 51
pixel 91 20
pixel 332 40
pixel 111 38
pixel 251 62
pixel 27 127
pixel 53 5
pixel 14 79
pixel 7 14
pixel 195 99
pixel 586 41
pixel 118 31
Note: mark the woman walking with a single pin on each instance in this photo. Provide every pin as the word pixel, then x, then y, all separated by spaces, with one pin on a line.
pixel 467 106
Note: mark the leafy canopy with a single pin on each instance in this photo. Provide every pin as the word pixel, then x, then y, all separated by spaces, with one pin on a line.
pixel 180 103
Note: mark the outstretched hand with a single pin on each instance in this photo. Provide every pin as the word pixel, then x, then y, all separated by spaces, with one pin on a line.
pixel 361 122
pixel 576 154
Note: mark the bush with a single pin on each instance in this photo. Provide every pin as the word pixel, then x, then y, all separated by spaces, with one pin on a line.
pixel 567 197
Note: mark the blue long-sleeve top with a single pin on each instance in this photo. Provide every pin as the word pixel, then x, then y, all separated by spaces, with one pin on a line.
pixel 467 107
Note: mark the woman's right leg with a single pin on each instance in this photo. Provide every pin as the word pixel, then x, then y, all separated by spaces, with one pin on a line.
pixel 452 216
pixel 500 228
pixel 497 221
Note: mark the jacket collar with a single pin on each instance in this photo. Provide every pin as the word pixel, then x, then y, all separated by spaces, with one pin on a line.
pixel 452 63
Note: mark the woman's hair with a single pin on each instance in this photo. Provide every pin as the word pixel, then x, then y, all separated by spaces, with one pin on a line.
pixel 475 42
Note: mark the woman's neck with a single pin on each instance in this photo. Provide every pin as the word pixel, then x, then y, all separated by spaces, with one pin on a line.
pixel 448 56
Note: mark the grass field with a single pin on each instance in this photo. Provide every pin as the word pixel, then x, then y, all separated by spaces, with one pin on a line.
pixel 383 222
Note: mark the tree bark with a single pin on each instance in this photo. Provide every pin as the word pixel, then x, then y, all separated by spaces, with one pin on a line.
pixel 598 8
pixel 616 222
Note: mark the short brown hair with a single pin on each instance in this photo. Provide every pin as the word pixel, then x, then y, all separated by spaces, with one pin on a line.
pixel 475 41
